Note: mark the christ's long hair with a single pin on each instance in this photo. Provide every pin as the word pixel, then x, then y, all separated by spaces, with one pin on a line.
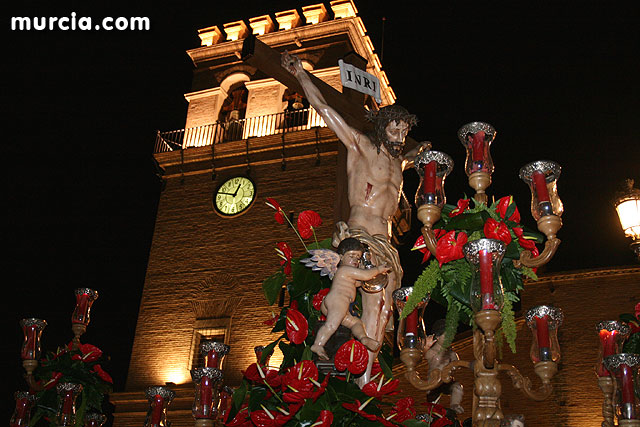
pixel 383 117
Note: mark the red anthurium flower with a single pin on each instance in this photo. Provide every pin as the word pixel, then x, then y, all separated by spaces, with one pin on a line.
pixel 497 230
pixel 90 353
pixel 102 374
pixel 271 320
pixel 300 375
pixel 55 377
pixel 307 221
pixel 353 356
pixel 296 326
pixel 284 252
pixel 503 205
pixel 375 369
pixel 637 310
pixel 463 205
pixel 527 244
pixel 449 247
pixel 402 410
pixel 385 422
pixel 380 387
pixel 279 215
pixel 300 396
pixel 241 419
pixel 266 418
pixel 324 420
pixel 358 409
pixel 319 297
pixel 263 375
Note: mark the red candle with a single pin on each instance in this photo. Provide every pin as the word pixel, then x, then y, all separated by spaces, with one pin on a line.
pixel 225 404
pixel 608 341
pixel 213 359
pixel 430 177
pixel 411 325
pixel 486 279
pixel 206 392
pixel 80 313
pixel 22 410
pixel 29 348
pixel 477 146
pixel 627 384
pixel 540 185
pixel 542 331
pixel 156 413
pixel 67 405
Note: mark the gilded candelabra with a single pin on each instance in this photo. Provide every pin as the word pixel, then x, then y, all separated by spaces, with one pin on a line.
pixel 485 256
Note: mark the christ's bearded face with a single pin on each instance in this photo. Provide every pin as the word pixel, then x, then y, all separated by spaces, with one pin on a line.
pixel 395 132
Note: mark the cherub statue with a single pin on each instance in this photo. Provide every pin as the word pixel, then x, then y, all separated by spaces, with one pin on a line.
pixel 438 357
pixel 343 268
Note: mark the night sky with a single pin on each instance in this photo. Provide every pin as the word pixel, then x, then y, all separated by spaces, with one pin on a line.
pixel 80 110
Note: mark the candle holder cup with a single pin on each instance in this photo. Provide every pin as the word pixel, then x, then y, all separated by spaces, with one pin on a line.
pixel 159 399
pixel 433 168
pixel 205 404
pixel 485 257
pixel 624 368
pixel 213 352
pixel 477 138
pixel 411 332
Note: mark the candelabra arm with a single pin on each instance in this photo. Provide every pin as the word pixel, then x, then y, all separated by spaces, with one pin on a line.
pixel 429 215
pixel 527 259
pixel 429 239
pixel 607 385
pixel 410 357
pixel 484 345
pixel 549 225
pixel 545 370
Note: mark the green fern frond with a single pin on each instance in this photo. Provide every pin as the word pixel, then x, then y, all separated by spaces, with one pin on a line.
pixel 509 324
pixel 528 272
pixel 451 324
pixel 424 285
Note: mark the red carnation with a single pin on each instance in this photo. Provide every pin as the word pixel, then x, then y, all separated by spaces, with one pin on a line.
pixel 296 326
pixel 497 230
pixel 319 297
pixel 463 205
pixel 449 247
pixel 279 215
pixel 353 356
pixel 284 252
pixel 102 374
pixel 307 221
pixel 503 206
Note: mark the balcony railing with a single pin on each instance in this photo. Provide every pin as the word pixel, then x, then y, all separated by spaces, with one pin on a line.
pixel 234 130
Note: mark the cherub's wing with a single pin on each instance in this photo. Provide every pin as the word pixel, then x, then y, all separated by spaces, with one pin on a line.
pixel 323 260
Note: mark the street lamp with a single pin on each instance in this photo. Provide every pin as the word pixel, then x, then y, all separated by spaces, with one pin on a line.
pixel 628 207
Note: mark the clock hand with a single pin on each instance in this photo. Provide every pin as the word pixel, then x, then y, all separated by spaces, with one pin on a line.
pixel 226 194
pixel 236 192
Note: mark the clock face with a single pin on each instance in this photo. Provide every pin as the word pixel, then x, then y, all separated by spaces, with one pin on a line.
pixel 234 196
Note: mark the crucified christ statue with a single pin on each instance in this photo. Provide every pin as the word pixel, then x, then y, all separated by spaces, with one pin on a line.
pixel 374 182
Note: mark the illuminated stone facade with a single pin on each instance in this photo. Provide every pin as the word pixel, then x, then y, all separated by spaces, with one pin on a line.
pixel 205 272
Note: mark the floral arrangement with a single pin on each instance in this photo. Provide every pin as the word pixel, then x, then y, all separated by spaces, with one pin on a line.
pixel 447 277
pixel 78 365
pixel 298 393
pixel 632 343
